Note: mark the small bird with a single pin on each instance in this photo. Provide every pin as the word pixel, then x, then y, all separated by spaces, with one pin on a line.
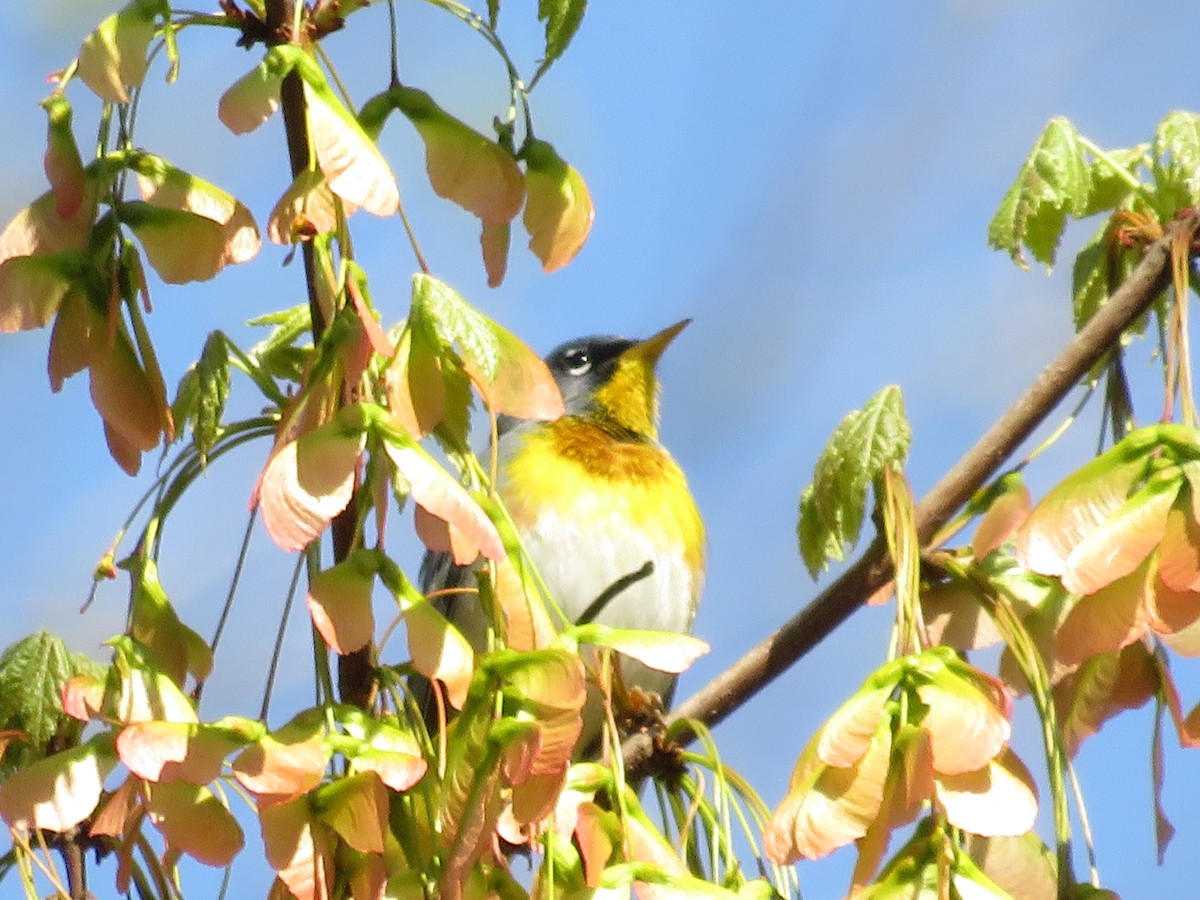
pixel 595 497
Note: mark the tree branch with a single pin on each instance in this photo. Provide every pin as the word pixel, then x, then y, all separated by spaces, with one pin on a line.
pixel 833 606
pixel 356 678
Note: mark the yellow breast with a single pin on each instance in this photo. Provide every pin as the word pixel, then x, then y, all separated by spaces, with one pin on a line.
pixel 577 469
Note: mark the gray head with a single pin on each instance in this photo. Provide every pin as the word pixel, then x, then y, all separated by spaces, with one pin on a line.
pixel 581 366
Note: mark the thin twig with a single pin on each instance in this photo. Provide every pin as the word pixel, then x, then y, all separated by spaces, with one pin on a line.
pixel 833 606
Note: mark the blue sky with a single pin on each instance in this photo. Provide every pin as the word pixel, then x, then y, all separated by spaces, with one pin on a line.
pixel 810 182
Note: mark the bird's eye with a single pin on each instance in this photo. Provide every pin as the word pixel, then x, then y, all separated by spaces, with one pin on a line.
pixel 578 361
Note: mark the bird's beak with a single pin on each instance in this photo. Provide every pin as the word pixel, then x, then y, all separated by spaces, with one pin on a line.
pixel 649 350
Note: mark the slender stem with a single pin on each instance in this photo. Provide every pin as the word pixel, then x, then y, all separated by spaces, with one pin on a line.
pixel 233 586
pixel 283 620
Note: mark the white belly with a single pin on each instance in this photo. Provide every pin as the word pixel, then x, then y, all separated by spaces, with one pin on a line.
pixel 578 564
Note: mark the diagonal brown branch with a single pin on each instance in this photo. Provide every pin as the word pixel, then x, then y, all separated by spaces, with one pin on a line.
pixel 775 654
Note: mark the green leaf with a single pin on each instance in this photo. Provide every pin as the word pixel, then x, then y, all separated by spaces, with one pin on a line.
pixel 277 353
pixel 113 57
pixel 832 507
pixel 510 377
pixel 1054 182
pixel 1175 155
pixel 1110 187
pixel 562 18
pixel 203 391
pixel 32 673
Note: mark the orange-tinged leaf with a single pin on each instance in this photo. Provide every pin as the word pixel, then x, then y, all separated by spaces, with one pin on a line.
pixel 40 229
pixel 181 246
pixel 355 287
pixel 595 843
pixel 558 208
pixel 122 392
pixel 62 163
pixel 278 768
pixel 1172 611
pixel 125 454
pixel 1102 687
pixel 847 734
pixel 393 755
pixel 1119 544
pixel 113 57
pixel 521 384
pixel 911 783
pixel 299 848
pixel 351 162
pixel 71 339
pixel 1191 474
pixel 1007 513
pixel 174 751
pixel 307 482
pixel 665 651
pixel 553 678
pixel 909 786
pixel 356 807
pixel 339 600
pixel 148 695
pixel 463 165
pixel 439 650
pixel 954 615
pixel 1185 642
pixel 434 489
pixel 82 697
pixel 1075 508
pixel 967 727
pixel 166 187
pixel 645 843
pixel 494 241
pixel 193 821
pixel 828 807
pixel 34 288
pixel 529 626
pixel 121 810
pixel 413 380
pixel 368 876
pixel 254 97
pixel 305 210
pixel 1113 617
pixel 998 800
pixel 1021 865
pixel 439 536
pixel 1187 728
pixel 58 792
pixel 1179 552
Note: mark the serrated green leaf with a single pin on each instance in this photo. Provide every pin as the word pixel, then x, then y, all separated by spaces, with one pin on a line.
pixel 1054 182
pixel 1175 155
pixel 457 322
pixel 562 18
pixel 203 391
pixel 1090 278
pixel 32 673
pixel 277 354
pixel 832 507
pixel 1109 188
pixel 819 541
